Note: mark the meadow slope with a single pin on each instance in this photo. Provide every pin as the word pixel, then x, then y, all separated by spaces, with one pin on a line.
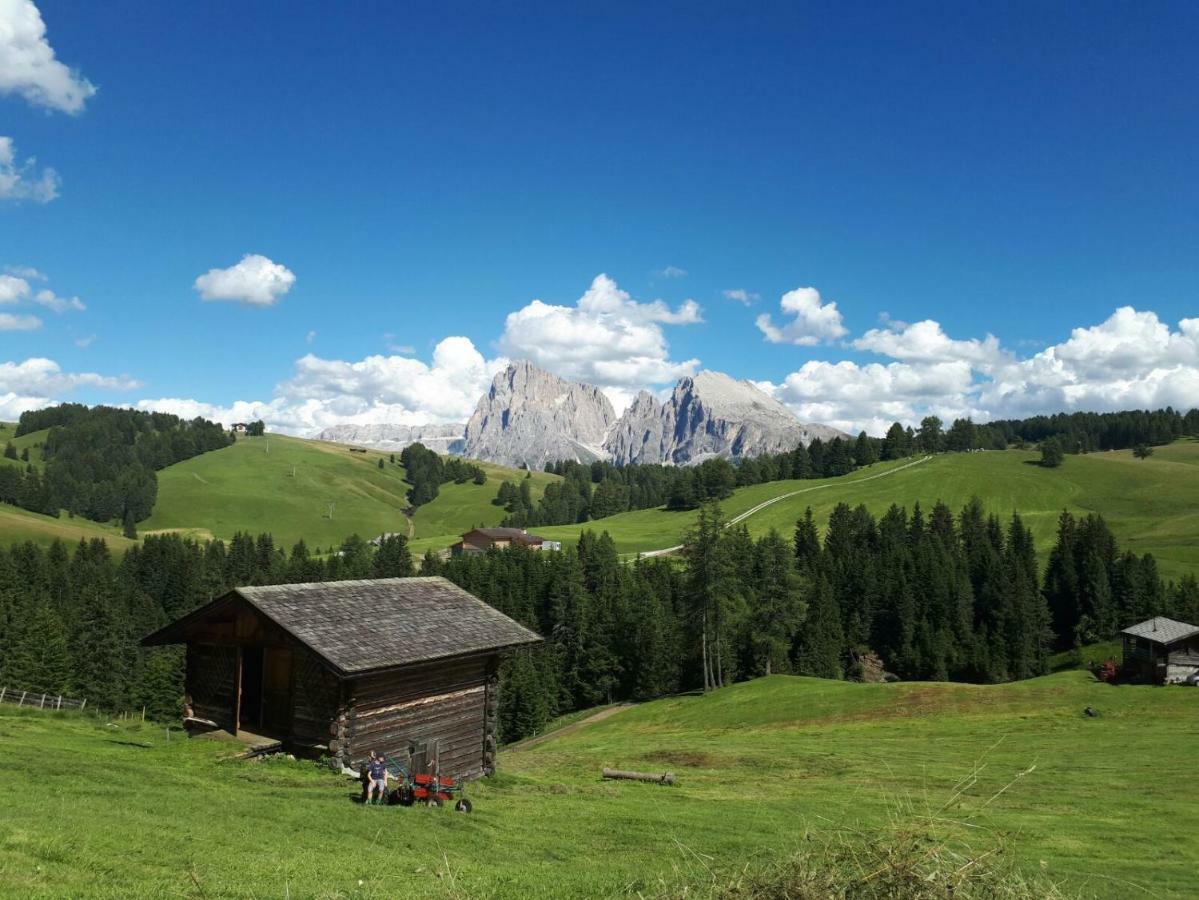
pixel 285 485
pixel 761 765
pixel 1152 505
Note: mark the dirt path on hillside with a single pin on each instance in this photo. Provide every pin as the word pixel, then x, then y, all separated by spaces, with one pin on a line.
pixel 571 728
pixel 818 487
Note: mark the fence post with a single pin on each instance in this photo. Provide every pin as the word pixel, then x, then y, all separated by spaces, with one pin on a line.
pixel 43 703
pixel 2 690
pixel 83 704
pixel 22 703
pixel 59 701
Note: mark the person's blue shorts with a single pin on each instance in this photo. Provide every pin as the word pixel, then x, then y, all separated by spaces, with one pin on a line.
pixel 380 783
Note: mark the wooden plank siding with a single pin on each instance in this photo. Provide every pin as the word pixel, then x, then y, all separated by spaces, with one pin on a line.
pixel 212 682
pixel 447 701
pixel 304 664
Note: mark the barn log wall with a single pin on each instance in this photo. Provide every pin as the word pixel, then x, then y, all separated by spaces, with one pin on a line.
pixel 445 701
pixel 212 682
pixel 491 716
pixel 315 696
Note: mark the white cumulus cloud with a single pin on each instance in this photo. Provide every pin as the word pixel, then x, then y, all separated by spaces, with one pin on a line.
pixel 378 389
pixel 255 281
pixel 927 342
pixel 1131 360
pixel 27 272
pixel 13 289
pixel 11 322
pixel 741 295
pixel 813 321
pixel 38 382
pixel 55 303
pixel 607 338
pixel 21 180
pixel 28 66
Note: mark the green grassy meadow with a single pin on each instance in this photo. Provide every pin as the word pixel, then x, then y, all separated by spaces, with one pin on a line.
pixel 29 441
pixel 18 526
pixel 116 810
pixel 460 507
pixel 1152 505
pixel 282 485
pixel 285 485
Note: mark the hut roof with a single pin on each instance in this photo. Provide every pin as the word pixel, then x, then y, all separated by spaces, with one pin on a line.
pixel 506 534
pixel 362 626
pixel 1161 630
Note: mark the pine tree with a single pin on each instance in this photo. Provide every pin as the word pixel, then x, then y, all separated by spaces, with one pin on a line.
pixel 39 658
pixel 864 453
pixel 807 542
pixel 776 607
pixel 820 644
pixel 392 558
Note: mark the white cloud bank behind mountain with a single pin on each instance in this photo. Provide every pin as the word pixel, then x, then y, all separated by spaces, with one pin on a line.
pixel 1133 359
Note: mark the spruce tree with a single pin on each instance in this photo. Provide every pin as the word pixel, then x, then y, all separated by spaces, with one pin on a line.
pixel 39 659
pixel 776 607
pixel 820 646
pixel 392 558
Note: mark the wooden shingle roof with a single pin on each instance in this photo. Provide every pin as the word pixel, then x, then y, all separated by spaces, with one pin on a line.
pixel 362 626
pixel 1161 630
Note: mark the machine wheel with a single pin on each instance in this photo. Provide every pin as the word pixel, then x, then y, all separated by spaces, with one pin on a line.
pixel 436 800
pixel 463 805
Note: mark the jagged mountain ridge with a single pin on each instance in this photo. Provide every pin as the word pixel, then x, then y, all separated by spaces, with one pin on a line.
pixel 530 417
pixel 706 416
pixel 442 438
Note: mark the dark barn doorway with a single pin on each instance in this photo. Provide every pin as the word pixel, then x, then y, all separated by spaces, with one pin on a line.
pixel 251 688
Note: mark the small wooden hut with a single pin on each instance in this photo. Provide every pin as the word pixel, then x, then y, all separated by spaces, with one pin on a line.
pixel 1161 650
pixel 348 667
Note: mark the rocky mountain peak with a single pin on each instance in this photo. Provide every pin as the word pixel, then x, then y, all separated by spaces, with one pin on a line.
pixel 530 417
pixel 708 415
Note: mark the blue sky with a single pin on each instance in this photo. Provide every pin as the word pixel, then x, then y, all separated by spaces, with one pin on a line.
pixel 1018 171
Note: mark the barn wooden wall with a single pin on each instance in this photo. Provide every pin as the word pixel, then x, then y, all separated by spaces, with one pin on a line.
pixel 446 701
pixel 212 682
pixel 315 693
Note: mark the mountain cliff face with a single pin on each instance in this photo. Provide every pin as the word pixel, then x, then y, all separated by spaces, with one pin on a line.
pixel 710 415
pixel 530 417
pixel 441 438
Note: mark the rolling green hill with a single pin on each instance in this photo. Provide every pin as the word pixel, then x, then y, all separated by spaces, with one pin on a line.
pixel 18 526
pixel 285 486
pixel 1152 505
pixel 766 768
pixel 29 441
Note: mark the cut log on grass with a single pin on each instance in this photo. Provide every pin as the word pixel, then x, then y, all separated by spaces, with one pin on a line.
pixel 655 777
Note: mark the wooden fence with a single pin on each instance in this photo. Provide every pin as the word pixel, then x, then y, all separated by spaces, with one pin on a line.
pixel 39 700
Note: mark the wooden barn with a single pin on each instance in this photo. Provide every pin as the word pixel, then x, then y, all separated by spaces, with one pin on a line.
pixel 347 667
pixel 1161 650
